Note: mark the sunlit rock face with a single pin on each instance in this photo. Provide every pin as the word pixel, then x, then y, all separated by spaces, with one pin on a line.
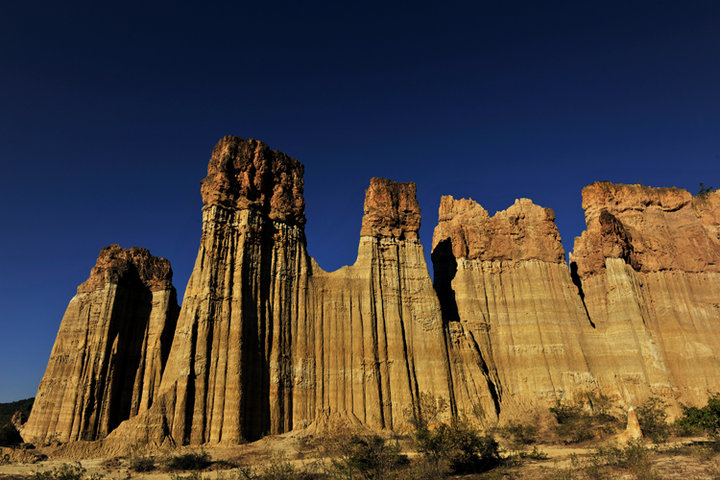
pixel 110 351
pixel 510 303
pixel 267 342
pixel 649 266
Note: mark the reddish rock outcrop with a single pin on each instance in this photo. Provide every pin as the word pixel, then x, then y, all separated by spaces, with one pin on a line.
pixel 522 232
pixel 110 351
pixel 247 174
pixel 391 210
pixel 650 229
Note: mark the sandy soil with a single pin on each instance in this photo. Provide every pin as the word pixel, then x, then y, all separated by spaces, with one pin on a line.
pixel 686 459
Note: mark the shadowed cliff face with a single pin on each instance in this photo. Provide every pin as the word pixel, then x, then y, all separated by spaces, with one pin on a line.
pixel 111 348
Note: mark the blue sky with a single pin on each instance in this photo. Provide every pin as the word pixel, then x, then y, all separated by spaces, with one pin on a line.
pixel 109 111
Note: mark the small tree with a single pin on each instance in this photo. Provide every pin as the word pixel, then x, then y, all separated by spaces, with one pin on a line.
pixel 369 458
pixel 704 190
pixel 652 418
pixel 459 445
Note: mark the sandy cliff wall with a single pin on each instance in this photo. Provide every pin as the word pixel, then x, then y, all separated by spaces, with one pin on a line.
pixel 649 266
pixel 375 336
pixel 110 351
pixel 509 298
pixel 267 342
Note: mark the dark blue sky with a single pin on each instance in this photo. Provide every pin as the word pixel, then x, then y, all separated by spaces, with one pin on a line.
pixel 109 111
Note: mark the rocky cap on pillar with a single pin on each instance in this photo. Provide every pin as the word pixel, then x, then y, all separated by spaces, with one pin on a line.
pixel 391 210
pixel 117 265
pixel 247 174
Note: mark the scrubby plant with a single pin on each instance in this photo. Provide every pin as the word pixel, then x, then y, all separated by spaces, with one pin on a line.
pixel 574 424
pixel 705 419
pixel 189 476
pixel 141 463
pixel 67 471
pixel 652 417
pixel 188 461
pixel 634 457
pixel 368 457
pixel 276 470
pixel 705 190
pixel 591 415
pixel 520 434
pixel 459 445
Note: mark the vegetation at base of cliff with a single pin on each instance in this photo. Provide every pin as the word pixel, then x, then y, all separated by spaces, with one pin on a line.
pixel 9 435
pixel 702 420
pixel 368 457
pixel 592 415
pixel 188 461
pixel 652 417
pixel 141 463
pixel 67 471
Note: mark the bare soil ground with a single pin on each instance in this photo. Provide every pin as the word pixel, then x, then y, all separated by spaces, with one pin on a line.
pixel 681 459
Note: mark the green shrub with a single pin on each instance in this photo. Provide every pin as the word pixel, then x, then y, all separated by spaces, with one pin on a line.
pixel 520 434
pixel 534 454
pixel 696 420
pixel 574 424
pixel 633 457
pixel 67 471
pixel 590 416
pixel 368 457
pixel 141 463
pixel 458 444
pixel 652 418
pixel 277 470
pixel 188 461
pixel 189 476
pixel 705 190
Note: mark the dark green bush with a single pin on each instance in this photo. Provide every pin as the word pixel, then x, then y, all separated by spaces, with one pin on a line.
pixel 458 444
pixel 705 190
pixel 520 434
pixel 277 470
pixel 633 457
pixel 141 463
pixel 368 457
pixel 574 424
pixel 652 418
pixel 188 461
pixel 591 416
pixel 696 420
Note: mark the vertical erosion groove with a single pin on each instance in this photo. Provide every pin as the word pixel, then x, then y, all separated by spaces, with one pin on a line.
pixel 577 281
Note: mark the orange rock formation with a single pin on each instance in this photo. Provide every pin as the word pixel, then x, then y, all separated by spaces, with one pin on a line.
pixel 110 351
pixel 267 342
